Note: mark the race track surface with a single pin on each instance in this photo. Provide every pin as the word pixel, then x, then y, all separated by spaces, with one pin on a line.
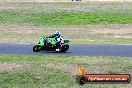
pixel 75 50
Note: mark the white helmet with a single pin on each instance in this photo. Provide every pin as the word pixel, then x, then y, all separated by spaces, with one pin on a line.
pixel 57 34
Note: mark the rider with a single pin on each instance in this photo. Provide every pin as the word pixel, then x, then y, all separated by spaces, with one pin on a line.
pixel 58 37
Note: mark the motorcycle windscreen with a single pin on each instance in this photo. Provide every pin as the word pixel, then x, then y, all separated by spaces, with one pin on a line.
pixel 41 42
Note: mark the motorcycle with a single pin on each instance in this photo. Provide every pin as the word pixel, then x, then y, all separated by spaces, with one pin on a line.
pixel 50 44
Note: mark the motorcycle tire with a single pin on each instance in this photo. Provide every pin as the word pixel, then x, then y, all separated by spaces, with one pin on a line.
pixel 37 48
pixel 65 48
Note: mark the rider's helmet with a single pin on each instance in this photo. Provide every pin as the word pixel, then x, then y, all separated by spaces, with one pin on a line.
pixel 57 34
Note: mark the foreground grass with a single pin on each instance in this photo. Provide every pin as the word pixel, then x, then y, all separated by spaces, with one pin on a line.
pixel 56 71
pixel 63 18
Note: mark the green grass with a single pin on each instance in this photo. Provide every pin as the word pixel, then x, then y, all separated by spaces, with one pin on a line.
pixel 42 71
pixel 62 18
pixel 51 17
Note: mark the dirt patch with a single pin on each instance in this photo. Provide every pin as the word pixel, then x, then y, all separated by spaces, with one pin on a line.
pixel 11 66
pixel 59 0
pixel 71 69
pixel 96 70
pixel 21 6
pixel 31 34
pixel 74 30
pixel 119 31
pixel 38 0
pixel 19 29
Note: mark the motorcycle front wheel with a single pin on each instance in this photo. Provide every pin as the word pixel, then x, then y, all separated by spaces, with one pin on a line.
pixel 37 48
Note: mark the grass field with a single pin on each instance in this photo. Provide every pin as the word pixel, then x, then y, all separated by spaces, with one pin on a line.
pixel 63 18
pixel 33 71
pixel 82 23
pixel 66 13
pixel 88 34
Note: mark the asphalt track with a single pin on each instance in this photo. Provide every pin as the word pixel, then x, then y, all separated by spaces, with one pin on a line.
pixel 75 50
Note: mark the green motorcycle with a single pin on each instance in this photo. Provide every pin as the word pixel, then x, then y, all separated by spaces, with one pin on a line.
pixel 50 44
